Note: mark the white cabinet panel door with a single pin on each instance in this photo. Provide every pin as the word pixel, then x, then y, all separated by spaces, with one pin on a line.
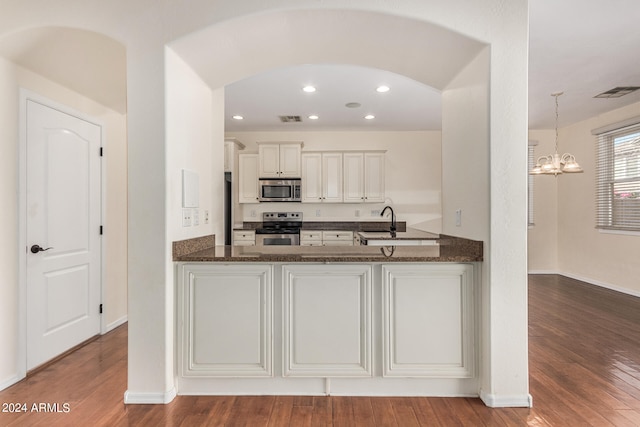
pixel 364 177
pixel 227 320
pixel 269 155
pixel 327 320
pixel 374 177
pixel 311 178
pixel 280 160
pixel 428 321
pixel 332 177
pixel 290 161
pixel 248 178
pixel 353 178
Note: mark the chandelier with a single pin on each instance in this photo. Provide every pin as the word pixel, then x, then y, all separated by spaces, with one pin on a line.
pixel 554 164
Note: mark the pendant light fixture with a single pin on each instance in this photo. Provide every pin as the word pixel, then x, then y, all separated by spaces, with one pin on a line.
pixel 555 164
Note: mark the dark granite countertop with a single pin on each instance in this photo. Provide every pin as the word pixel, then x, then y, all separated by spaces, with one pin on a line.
pixel 449 249
pixel 354 226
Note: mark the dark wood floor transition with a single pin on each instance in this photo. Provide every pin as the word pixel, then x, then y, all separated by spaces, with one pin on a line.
pixel 584 345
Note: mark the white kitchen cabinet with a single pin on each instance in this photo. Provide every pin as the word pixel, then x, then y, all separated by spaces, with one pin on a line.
pixel 226 320
pixel 244 237
pixel 310 238
pixel 326 238
pixel 231 147
pixel 337 238
pixel 248 178
pixel 279 160
pixel 322 177
pixel 327 320
pixel 364 177
pixel 312 178
pixel 429 320
pixel 374 177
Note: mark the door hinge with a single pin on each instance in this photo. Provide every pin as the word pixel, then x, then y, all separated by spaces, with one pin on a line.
pixel 101 230
pixel 101 151
pixel 100 308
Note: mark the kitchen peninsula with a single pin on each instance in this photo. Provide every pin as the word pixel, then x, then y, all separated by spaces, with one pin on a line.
pixel 357 320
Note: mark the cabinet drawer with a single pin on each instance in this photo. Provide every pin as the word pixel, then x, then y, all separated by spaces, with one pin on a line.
pixel 244 238
pixel 337 235
pixel 310 235
pixel 244 235
pixel 310 242
pixel 338 242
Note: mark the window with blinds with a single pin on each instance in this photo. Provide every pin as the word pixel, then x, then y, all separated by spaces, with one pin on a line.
pixel 618 178
pixel 531 161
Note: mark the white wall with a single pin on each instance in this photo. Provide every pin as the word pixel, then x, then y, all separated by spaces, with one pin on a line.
pixel 542 237
pixel 584 252
pixel 465 151
pixel 13 77
pixel 472 185
pixel 412 175
pixel 8 223
pixel 192 145
pixel 194 142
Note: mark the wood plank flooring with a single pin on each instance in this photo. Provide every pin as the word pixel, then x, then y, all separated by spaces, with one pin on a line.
pixel 584 345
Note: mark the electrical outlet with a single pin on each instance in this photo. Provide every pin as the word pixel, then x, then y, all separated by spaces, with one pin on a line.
pixel 458 217
pixel 196 217
pixel 206 217
pixel 375 212
pixel 186 217
pixel 357 213
pixel 318 213
pixel 253 213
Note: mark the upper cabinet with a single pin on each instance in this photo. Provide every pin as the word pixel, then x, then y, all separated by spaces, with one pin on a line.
pixel 322 177
pixel 279 160
pixel 231 147
pixel 248 178
pixel 363 177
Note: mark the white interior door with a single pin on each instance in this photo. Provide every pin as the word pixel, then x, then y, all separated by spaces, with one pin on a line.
pixel 63 210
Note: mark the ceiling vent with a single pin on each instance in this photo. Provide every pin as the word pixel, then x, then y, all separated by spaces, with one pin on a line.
pixel 290 119
pixel 617 92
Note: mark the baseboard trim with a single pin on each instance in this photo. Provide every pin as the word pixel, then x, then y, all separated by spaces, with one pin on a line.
pixel 590 282
pixel 111 326
pixel 602 284
pixel 132 398
pixel 508 401
pixel 11 381
pixel 543 272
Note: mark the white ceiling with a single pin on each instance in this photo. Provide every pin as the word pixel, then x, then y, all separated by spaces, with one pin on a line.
pixel 261 99
pixel 580 47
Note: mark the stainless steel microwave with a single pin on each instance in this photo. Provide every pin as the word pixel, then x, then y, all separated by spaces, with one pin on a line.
pixel 280 190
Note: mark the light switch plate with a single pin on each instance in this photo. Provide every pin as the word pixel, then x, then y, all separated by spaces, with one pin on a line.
pixel 186 217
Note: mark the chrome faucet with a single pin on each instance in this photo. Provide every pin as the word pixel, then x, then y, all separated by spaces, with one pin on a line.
pixel 393 218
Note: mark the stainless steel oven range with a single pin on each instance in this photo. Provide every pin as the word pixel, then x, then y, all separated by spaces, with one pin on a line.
pixel 279 228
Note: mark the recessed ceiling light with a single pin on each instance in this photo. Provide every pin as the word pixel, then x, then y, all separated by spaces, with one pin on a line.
pixel 309 89
pixel 237 117
pixel 382 89
pixel 313 117
pixel 352 105
pixel 369 117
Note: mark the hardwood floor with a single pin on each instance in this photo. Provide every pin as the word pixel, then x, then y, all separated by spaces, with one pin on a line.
pixel 584 345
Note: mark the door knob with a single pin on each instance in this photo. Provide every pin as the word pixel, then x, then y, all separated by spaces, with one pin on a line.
pixel 36 248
